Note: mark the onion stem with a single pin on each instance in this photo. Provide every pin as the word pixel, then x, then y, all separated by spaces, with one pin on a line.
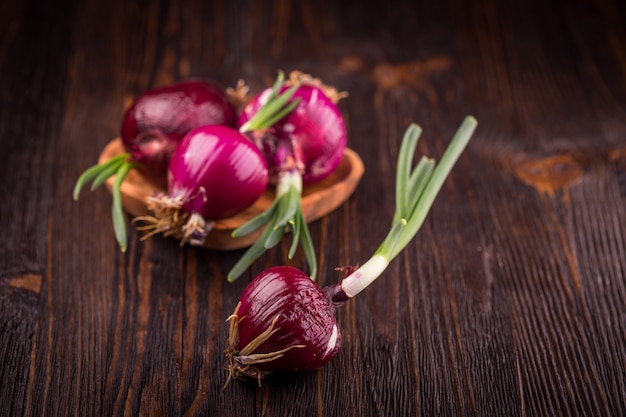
pixel 119 221
pixel 96 170
pixel 119 166
pixel 284 214
pixel 275 107
pixel 416 190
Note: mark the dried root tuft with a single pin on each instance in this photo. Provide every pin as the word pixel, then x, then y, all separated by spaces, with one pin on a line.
pixel 307 79
pixel 238 96
pixel 241 363
pixel 170 221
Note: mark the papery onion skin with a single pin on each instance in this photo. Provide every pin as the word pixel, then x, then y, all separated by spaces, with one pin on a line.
pixel 217 172
pixel 315 129
pixel 156 122
pixel 306 317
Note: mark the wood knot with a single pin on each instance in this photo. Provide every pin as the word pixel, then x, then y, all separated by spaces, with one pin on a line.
pixel 617 157
pixel 28 282
pixel 412 73
pixel 352 63
pixel 551 174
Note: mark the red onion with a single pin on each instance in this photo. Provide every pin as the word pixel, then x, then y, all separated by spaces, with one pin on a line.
pixel 215 172
pixel 302 334
pixel 303 147
pixel 285 322
pixel 158 120
pixel 151 130
pixel 314 132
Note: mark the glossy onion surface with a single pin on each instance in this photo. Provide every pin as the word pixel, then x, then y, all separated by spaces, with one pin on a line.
pixel 158 120
pixel 315 129
pixel 217 172
pixel 305 317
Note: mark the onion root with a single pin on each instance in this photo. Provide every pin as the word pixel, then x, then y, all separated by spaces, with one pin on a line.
pixel 241 363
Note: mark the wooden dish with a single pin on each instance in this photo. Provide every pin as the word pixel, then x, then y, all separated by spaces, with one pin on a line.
pixel 317 200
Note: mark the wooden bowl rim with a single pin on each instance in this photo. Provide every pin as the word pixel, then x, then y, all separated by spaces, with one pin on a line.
pixel 318 199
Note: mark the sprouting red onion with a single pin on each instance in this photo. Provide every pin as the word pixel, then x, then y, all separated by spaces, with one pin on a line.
pixel 302 147
pixel 157 120
pixel 294 318
pixel 215 172
pixel 314 131
pixel 285 322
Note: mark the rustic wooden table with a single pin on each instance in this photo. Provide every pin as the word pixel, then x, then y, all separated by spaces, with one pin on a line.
pixel 509 302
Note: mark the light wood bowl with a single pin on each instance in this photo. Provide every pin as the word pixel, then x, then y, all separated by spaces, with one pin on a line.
pixel 317 200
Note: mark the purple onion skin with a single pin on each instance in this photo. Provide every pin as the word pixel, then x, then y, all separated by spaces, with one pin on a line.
pixel 157 121
pixel 315 129
pixel 217 172
pixel 305 314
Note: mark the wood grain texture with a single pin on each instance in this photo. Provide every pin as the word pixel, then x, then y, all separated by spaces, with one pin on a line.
pixel 510 301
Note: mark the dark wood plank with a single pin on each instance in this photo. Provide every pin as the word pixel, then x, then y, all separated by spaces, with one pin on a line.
pixel 510 301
